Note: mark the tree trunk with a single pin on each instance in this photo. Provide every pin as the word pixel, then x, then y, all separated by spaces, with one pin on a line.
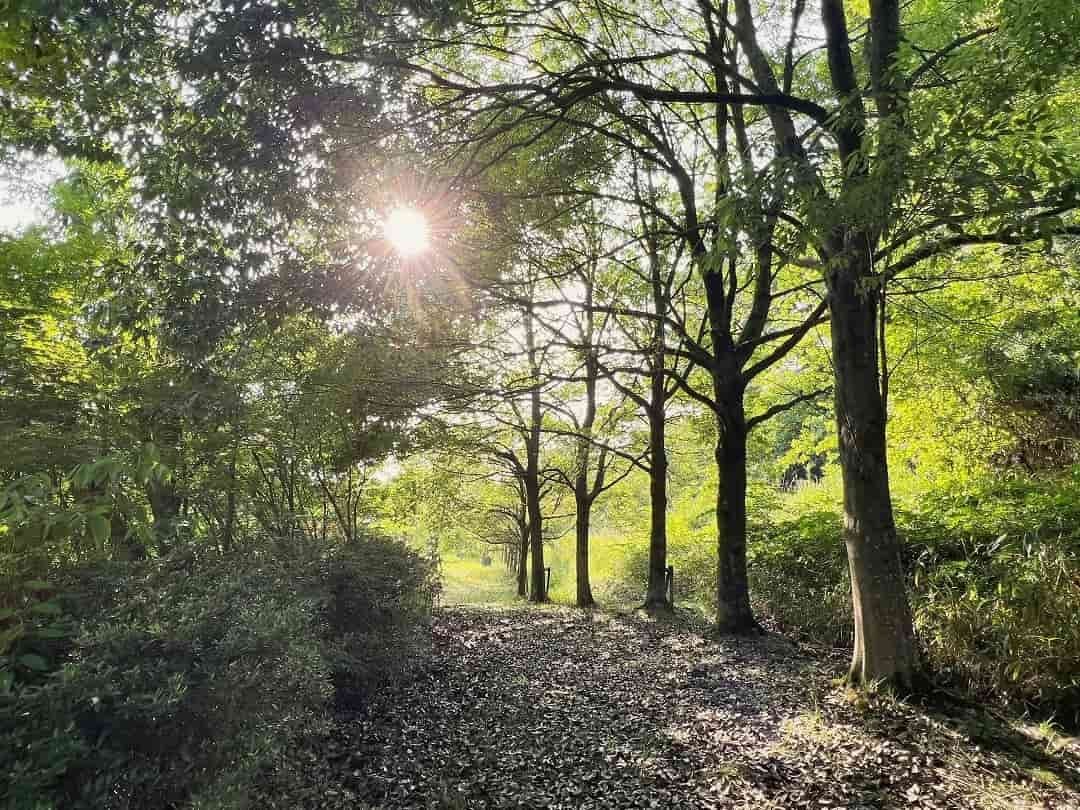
pixel 656 591
pixel 340 511
pixel 583 498
pixel 522 560
pixel 166 432
pixel 582 502
pixel 884 636
pixel 538 589
pixel 733 613
pixel 537 585
pixel 656 594
pixel 165 507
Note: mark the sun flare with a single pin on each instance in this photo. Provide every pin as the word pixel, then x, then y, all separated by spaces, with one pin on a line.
pixel 406 229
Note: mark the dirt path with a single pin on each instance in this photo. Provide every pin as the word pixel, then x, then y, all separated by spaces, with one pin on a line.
pixel 555 708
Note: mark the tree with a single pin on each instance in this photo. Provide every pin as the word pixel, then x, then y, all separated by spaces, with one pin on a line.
pixel 876 163
pixel 848 185
pixel 647 340
pixel 576 273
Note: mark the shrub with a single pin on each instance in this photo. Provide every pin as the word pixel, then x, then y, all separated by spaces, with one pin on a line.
pixel 185 676
pixel 799 577
pixel 994 569
pixel 1004 621
pixel 378 593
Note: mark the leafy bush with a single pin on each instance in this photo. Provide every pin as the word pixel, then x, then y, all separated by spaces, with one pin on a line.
pixel 996 577
pixel 1004 621
pixel 799 577
pixel 34 632
pixel 378 591
pixel 995 580
pixel 100 517
pixel 1033 371
pixel 185 676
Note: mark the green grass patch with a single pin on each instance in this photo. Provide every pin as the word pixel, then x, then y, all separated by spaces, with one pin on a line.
pixel 466 581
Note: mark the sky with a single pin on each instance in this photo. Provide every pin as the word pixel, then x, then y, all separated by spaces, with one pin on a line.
pixel 15 215
pixel 24 190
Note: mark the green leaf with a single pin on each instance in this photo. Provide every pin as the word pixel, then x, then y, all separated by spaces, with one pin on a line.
pixel 150 454
pixel 46 609
pixel 82 476
pixel 34 662
pixel 99 528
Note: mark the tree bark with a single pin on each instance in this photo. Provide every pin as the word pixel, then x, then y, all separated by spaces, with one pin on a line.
pixel 733 612
pixel 583 496
pixel 164 496
pixel 538 585
pixel 583 508
pixel 884 636
pixel 164 505
pixel 522 560
pixel 341 511
pixel 656 590
pixel 656 593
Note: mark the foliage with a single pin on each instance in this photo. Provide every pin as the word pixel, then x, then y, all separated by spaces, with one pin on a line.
pixel 995 576
pixel 799 577
pixel 92 513
pixel 216 377
pixel 185 587
pixel 1035 375
pixel 182 677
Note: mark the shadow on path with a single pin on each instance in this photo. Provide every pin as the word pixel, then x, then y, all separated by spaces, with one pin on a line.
pixel 557 708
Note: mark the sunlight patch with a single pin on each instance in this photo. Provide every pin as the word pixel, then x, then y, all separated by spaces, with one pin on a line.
pixel 407 231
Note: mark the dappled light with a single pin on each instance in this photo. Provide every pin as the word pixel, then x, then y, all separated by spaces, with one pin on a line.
pixel 577 405
pixel 634 725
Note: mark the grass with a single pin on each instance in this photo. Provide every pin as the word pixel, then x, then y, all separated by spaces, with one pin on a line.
pixel 468 582
pixel 608 557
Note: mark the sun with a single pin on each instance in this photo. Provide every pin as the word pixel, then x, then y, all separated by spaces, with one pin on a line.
pixel 406 229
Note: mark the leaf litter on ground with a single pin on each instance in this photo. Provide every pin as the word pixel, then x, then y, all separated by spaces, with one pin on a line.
pixel 551 707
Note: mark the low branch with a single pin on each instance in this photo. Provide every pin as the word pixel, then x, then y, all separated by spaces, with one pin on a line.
pixel 794 335
pixel 769 413
pixel 938 247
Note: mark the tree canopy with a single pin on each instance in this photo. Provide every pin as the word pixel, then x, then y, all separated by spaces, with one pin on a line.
pixel 763 311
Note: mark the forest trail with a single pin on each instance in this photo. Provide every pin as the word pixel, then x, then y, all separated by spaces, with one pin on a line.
pixel 556 708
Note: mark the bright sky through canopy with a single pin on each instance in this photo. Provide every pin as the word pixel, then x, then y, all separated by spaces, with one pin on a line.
pixel 406 230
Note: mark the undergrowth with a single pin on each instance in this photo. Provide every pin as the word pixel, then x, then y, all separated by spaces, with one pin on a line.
pixel 175 682
pixel 993 564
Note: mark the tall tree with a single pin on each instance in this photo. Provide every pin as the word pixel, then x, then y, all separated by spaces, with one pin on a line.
pixel 593 415
pixel 868 194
